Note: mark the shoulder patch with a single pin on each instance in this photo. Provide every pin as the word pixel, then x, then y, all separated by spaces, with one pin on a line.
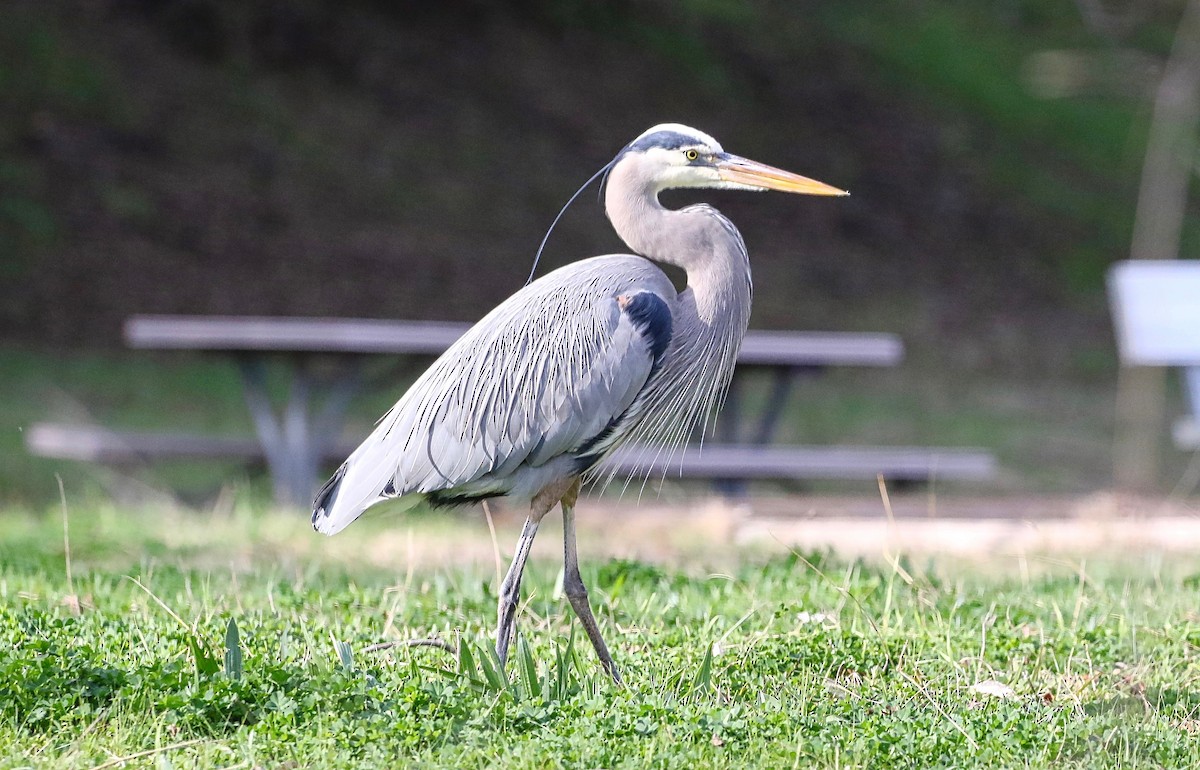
pixel 652 318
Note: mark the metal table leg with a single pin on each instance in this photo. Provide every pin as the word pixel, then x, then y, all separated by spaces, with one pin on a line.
pixel 294 441
pixel 731 428
pixel 729 432
pixel 781 388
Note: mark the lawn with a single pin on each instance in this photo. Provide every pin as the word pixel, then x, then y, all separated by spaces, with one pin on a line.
pixel 238 639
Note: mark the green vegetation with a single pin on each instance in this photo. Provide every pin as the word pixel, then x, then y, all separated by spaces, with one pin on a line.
pixel 240 640
pixel 1075 158
pixel 924 104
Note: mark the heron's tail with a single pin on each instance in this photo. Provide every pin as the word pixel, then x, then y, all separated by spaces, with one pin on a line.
pixel 345 497
pixel 365 478
pixel 323 504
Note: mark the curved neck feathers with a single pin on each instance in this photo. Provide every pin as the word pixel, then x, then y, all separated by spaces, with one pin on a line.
pixel 710 316
pixel 696 238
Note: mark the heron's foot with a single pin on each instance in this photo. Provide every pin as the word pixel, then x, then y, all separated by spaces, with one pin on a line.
pixel 578 596
pixel 506 612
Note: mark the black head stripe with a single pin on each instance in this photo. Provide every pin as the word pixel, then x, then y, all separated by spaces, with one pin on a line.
pixel 664 140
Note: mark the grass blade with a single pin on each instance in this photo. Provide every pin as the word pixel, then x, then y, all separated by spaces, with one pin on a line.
pixel 466 660
pixel 344 654
pixel 206 664
pixel 493 670
pixel 529 676
pixel 563 654
pixel 703 678
pixel 233 651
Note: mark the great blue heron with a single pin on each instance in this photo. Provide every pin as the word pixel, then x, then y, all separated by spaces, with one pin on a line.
pixel 593 355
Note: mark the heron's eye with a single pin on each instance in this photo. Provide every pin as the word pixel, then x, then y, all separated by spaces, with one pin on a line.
pixel 691 154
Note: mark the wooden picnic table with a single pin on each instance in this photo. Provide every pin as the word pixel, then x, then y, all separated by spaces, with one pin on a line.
pixel 298 435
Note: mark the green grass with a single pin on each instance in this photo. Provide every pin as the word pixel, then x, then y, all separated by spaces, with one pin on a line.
pixel 238 641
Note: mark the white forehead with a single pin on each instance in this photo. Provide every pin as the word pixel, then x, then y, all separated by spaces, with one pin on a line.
pixel 696 135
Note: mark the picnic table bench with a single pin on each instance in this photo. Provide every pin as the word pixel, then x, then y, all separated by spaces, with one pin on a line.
pixel 296 438
pixel 1156 312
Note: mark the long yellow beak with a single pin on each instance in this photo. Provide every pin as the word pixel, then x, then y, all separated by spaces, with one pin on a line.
pixel 732 168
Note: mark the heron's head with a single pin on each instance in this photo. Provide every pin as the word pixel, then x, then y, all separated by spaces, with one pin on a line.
pixel 671 156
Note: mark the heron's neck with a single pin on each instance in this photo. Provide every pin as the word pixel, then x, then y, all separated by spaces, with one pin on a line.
pixel 696 238
pixel 710 316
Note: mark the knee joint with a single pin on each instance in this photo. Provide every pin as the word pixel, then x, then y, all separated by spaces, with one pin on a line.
pixel 575 589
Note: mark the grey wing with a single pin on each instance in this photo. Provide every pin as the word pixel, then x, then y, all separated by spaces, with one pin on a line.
pixel 545 385
pixel 550 372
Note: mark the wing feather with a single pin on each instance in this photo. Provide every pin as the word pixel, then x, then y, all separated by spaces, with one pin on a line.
pixel 543 374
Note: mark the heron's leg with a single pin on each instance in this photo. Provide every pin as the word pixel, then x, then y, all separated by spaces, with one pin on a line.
pixel 510 589
pixel 574 588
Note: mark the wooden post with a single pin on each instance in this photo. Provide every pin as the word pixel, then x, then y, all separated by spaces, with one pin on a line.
pixel 1161 205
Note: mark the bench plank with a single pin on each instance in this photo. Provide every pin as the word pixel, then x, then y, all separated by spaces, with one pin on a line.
pixel 310 335
pixel 714 461
pixel 726 461
pixel 87 443
pixel 355 335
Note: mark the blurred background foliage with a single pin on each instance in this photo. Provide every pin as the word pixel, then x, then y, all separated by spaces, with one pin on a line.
pixel 403 159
